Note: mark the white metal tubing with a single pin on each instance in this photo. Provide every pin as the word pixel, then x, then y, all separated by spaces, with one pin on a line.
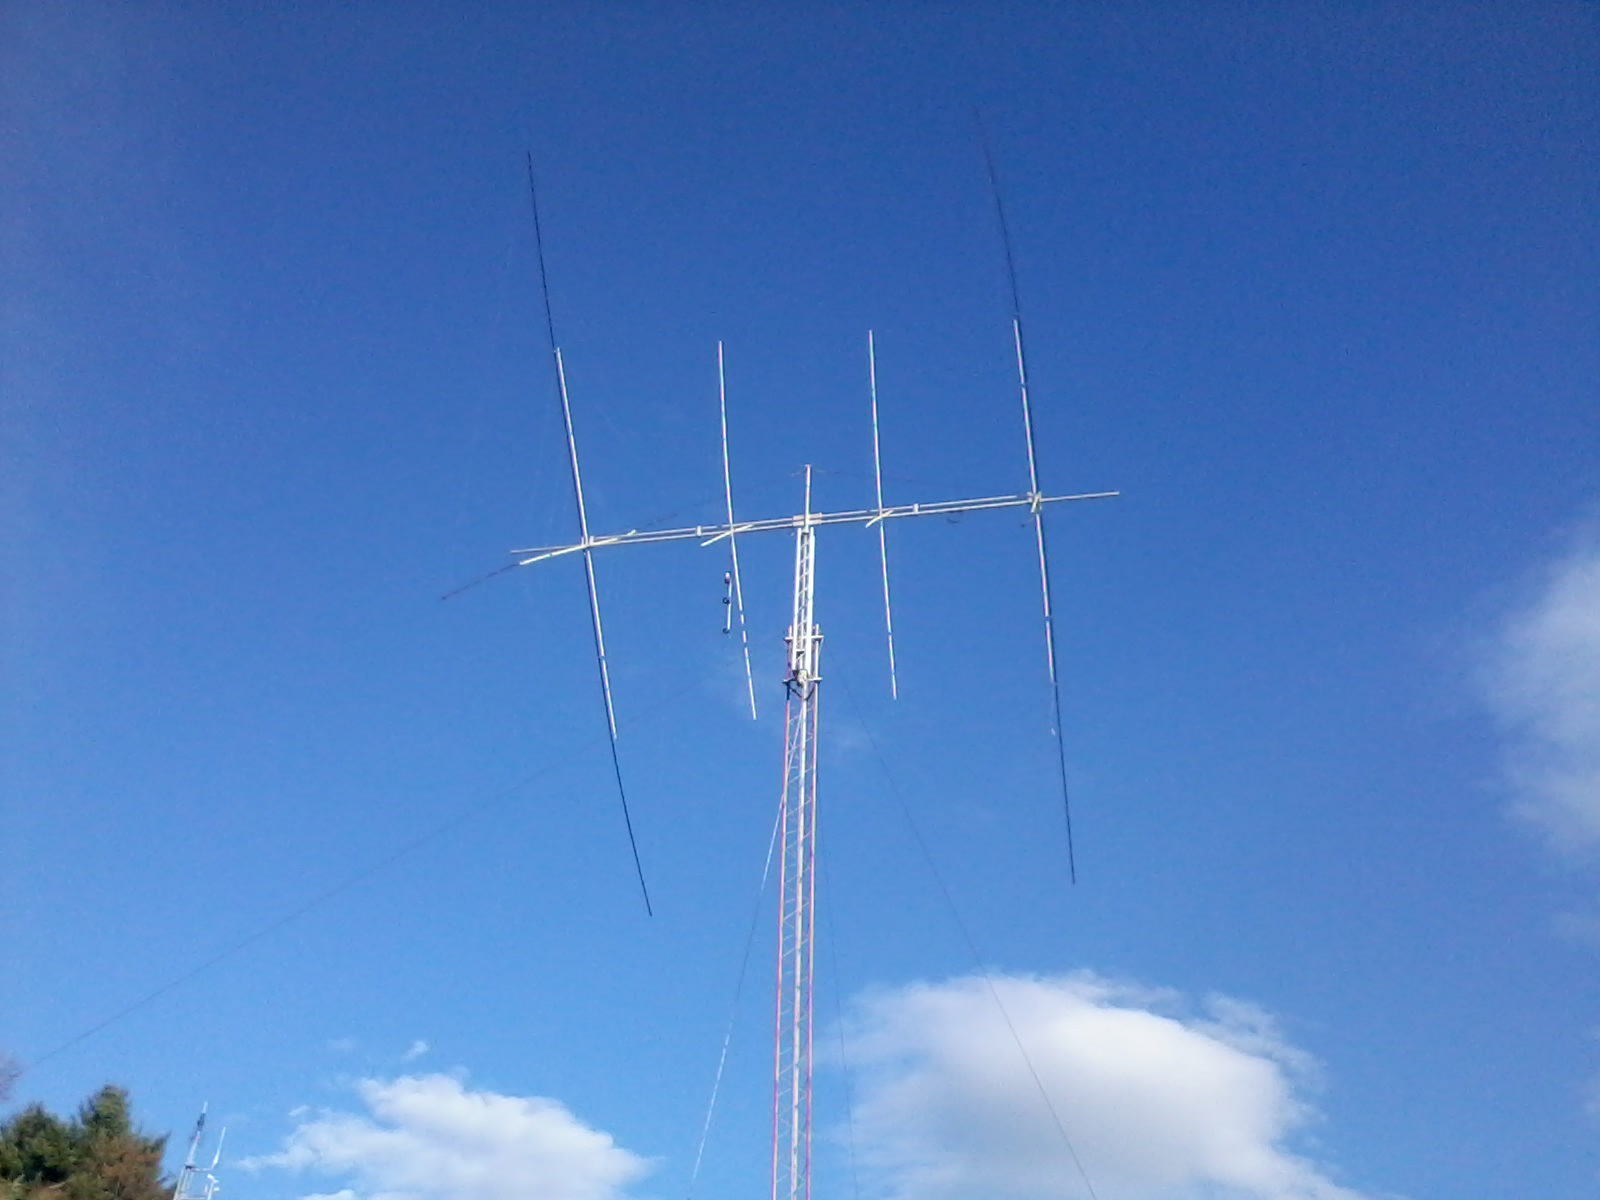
pixel 1038 517
pixel 194 1181
pixel 217 1156
pixel 588 561
pixel 599 634
pixel 1044 558
pixel 733 545
pixel 877 479
pixel 709 534
pixel 1027 411
pixel 583 530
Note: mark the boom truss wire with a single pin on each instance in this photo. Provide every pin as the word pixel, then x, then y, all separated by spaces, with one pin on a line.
pixel 1033 488
pixel 583 528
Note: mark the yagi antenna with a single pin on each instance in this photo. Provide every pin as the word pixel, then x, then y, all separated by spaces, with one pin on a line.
pixel 877 479
pixel 583 531
pixel 1033 490
pixel 792 1044
pixel 736 593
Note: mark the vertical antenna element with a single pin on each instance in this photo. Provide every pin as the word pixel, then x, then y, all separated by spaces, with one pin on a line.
pixel 583 531
pixel 877 478
pixel 1033 489
pixel 733 543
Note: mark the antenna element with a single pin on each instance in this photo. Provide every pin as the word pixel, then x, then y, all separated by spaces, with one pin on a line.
pixel 1033 490
pixel 733 545
pixel 194 1181
pixel 877 479
pixel 585 543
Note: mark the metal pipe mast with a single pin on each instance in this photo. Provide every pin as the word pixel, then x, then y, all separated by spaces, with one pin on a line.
pixel 196 1182
pixel 797 887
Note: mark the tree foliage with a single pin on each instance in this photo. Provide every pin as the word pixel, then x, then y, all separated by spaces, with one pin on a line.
pixel 97 1155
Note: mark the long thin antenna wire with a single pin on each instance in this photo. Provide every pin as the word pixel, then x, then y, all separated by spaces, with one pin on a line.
pixel 583 530
pixel 877 478
pixel 966 936
pixel 1033 487
pixel 733 542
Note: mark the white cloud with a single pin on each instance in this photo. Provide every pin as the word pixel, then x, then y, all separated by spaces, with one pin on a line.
pixel 1157 1106
pixel 417 1049
pixel 429 1138
pixel 1544 684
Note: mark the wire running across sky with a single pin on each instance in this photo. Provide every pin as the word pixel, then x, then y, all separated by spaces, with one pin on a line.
pixel 321 899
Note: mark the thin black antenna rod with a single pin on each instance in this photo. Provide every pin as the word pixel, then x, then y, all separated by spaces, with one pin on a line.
pixel 583 530
pixel 1033 482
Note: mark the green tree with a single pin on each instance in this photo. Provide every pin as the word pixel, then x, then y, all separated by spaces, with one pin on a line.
pixel 98 1155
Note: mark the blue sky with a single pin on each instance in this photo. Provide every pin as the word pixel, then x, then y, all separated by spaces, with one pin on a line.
pixel 1314 286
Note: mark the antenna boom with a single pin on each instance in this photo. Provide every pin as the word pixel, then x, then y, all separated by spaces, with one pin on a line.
pixel 709 534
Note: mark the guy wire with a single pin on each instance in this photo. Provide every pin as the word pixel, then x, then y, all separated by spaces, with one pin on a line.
pixel 966 935
pixel 733 1006
pixel 376 867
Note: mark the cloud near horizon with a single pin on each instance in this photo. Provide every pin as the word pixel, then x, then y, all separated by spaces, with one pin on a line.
pixel 429 1138
pixel 1160 1102
pixel 1544 686
pixel 1158 1106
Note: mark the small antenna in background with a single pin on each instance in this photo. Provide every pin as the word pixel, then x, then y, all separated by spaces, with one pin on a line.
pixel 585 541
pixel 194 1181
pixel 1033 487
pixel 877 479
